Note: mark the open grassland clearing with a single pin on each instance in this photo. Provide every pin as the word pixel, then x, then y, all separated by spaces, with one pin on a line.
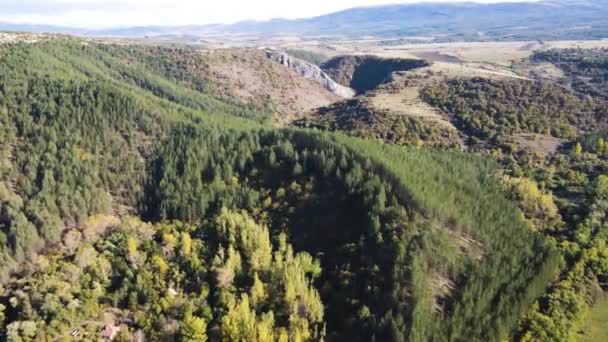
pixel 406 101
pixel 540 143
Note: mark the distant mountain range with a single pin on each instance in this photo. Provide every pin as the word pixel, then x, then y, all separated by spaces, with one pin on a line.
pixel 547 20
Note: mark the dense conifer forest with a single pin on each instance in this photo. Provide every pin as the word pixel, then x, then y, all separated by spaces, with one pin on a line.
pixel 136 198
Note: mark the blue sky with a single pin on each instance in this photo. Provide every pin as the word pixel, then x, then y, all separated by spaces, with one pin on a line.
pixel 116 13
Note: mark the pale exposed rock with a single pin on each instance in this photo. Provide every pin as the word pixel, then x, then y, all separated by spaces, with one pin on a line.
pixel 310 72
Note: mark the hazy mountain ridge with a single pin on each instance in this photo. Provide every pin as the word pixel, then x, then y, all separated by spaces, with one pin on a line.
pixel 451 21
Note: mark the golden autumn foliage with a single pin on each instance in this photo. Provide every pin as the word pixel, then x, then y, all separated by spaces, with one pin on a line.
pixel 536 204
pixel 277 271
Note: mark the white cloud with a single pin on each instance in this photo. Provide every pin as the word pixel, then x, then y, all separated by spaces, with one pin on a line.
pixel 113 13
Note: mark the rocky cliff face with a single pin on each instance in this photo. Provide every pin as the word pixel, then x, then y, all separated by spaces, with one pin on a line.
pixel 311 72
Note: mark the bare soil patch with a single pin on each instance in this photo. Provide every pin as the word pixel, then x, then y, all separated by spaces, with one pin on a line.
pixel 539 143
pixel 407 101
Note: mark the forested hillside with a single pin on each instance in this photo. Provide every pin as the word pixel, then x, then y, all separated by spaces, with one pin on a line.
pixel 561 194
pixel 584 70
pixel 358 117
pixel 137 200
pixel 485 108
pixel 548 135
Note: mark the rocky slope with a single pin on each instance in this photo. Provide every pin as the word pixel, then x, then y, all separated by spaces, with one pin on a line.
pixel 310 72
pixel 250 76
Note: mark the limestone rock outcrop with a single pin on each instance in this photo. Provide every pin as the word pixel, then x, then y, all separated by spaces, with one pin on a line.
pixel 311 72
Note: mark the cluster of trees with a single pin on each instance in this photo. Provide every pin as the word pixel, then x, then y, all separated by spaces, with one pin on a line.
pixel 484 108
pixel 536 204
pixel 359 118
pixel 593 143
pixel 170 282
pixel 199 172
pixel 557 314
pixel 572 184
pixel 279 284
pixel 516 264
pixel 586 70
pixel 71 149
pixel 327 200
pixel 76 135
pixel 180 75
pixel 177 75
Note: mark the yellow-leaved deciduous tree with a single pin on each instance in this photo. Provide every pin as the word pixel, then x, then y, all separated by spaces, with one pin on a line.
pixel 135 257
pixel 2 315
pixel 186 247
pixel 301 300
pixel 85 256
pixel 536 204
pixel 258 291
pixel 194 329
pixel 299 329
pixel 242 323
pixel 169 240
pixel 251 239
pixel 160 264
pixel 132 245
pixel 283 335
pixel 282 273
pixel 600 146
pixel 227 266
pixel 265 328
pixel 578 149
pixel 239 323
